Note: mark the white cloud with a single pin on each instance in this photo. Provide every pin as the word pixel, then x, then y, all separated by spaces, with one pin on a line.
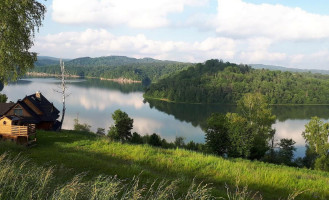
pixel 137 14
pixel 102 43
pixel 236 18
pixel 103 99
pixel 147 125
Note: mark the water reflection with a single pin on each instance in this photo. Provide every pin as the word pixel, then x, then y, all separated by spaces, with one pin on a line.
pixel 292 129
pixel 93 101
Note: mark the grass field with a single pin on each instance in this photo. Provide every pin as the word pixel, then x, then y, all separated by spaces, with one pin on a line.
pixel 70 153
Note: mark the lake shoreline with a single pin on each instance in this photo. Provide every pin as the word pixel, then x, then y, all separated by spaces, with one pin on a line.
pixel 120 80
pixel 191 103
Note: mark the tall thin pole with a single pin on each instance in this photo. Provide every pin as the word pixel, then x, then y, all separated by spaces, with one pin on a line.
pixel 63 85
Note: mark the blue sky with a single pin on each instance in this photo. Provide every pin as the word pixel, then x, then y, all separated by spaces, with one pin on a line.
pixel 292 33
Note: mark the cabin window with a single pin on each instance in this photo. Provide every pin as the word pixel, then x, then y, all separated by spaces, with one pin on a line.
pixel 18 111
pixel 4 122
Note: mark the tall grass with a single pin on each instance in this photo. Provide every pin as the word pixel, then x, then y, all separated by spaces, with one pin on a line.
pixel 20 179
pixel 64 155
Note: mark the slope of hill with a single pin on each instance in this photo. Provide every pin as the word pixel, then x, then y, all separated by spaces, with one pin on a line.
pixel 71 153
pixel 219 82
pixel 286 69
pixel 47 61
pixel 113 67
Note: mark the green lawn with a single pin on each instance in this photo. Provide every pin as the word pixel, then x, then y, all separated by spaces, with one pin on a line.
pixel 71 153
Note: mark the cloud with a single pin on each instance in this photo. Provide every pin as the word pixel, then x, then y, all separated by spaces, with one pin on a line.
pixel 104 99
pixel 239 19
pixel 147 125
pixel 136 14
pixel 291 129
pixel 100 42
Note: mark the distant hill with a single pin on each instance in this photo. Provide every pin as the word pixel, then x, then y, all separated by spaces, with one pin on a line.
pixel 47 61
pixel 113 67
pixel 286 69
pixel 112 61
pixel 217 82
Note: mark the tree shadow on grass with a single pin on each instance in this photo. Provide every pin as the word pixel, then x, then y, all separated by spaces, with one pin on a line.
pixel 73 153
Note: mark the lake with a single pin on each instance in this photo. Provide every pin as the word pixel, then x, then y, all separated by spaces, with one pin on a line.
pixel 93 101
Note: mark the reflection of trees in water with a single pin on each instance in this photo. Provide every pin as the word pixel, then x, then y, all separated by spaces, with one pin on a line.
pixel 21 82
pixel 198 113
pixel 97 83
pixel 300 112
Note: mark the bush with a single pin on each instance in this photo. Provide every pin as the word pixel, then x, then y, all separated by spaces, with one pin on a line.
pixel 155 140
pixel 81 127
pixel 136 139
pixel 100 132
pixel 322 163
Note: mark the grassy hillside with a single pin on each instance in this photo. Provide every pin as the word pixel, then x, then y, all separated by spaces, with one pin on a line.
pixel 70 153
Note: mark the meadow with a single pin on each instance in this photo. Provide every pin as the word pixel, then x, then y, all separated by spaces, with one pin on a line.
pixel 76 165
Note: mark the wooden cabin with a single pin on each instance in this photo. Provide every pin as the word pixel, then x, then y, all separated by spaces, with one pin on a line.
pixel 35 109
pixel 19 120
pixel 9 129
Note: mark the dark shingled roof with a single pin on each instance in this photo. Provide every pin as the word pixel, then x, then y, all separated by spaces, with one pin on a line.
pixel 50 112
pixel 34 119
pixel 4 107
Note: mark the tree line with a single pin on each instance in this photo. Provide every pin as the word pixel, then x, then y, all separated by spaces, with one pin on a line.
pixel 217 82
pixel 146 70
pixel 247 134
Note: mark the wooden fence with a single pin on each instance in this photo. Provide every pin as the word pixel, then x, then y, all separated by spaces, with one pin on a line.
pixel 18 130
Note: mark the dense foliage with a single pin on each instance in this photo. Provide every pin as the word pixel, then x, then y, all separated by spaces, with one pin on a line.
pixel 244 134
pixel 18 22
pixel 122 126
pixel 316 135
pixel 219 82
pixel 114 67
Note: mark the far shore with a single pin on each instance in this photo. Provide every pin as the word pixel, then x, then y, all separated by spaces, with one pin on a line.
pixel 118 80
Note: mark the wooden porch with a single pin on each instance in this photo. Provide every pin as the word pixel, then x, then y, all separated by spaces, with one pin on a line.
pixel 21 134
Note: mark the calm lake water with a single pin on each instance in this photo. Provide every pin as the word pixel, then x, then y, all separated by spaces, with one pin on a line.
pixel 93 101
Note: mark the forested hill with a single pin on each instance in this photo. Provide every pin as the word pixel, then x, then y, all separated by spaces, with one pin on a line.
pixel 112 67
pixel 284 69
pixel 47 61
pixel 219 82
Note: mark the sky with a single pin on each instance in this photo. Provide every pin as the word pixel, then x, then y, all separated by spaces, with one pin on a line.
pixel 293 33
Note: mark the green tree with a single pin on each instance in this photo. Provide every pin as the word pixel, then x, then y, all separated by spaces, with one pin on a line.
pixel 240 136
pixel 155 140
pixel 3 98
pixel 217 139
pixel 136 138
pixel 19 21
pixel 100 131
pixel 255 108
pixel 286 151
pixel 122 126
pixel 179 142
pixel 322 163
pixel 316 135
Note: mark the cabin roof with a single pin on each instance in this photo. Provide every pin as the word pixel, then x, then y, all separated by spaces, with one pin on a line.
pixel 4 107
pixel 48 109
